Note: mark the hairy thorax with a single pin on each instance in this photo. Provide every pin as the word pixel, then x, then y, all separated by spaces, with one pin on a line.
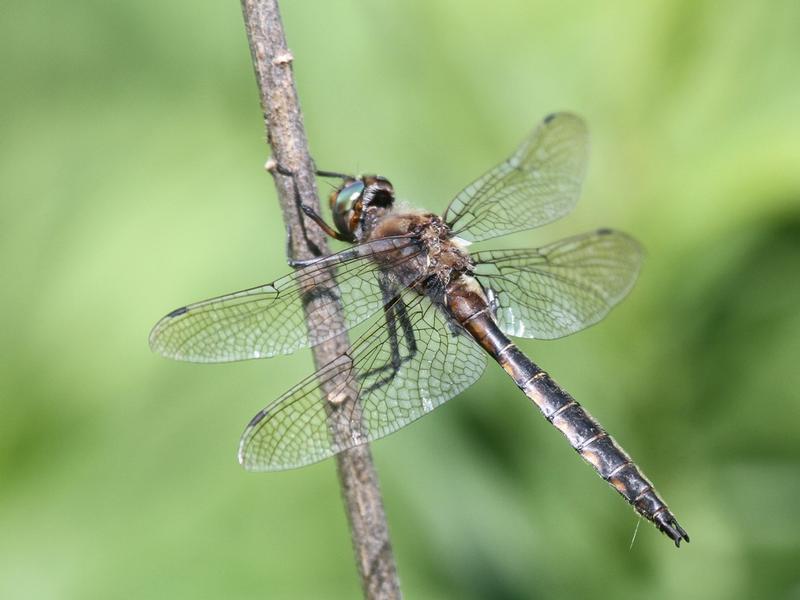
pixel 444 257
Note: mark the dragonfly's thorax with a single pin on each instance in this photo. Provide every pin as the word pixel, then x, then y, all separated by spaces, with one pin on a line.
pixel 443 257
pixel 446 258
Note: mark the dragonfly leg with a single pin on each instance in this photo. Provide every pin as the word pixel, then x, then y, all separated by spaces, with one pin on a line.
pixel 299 263
pixel 395 311
pixel 314 216
pixel 332 174
pixel 274 166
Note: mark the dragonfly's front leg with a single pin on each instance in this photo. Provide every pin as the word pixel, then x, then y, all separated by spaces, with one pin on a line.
pixel 273 167
pixel 299 263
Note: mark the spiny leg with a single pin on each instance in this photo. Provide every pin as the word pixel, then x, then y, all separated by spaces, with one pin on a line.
pixel 394 310
pixel 274 166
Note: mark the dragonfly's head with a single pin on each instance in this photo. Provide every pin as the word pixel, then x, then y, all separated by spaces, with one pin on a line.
pixel 359 203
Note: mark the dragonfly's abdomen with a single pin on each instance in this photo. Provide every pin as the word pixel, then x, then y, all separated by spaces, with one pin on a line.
pixel 583 432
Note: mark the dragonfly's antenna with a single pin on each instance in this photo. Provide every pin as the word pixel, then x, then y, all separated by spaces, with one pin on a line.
pixel 635 531
pixel 331 185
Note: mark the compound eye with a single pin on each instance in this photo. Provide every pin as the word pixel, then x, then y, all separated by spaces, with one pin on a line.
pixel 344 204
pixel 347 197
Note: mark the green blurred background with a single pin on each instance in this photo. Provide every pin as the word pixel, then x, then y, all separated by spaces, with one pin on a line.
pixel 131 153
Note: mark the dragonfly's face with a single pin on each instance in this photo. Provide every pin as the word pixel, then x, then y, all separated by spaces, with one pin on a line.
pixel 359 203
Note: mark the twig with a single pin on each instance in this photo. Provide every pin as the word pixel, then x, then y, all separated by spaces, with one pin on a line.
pixel 358 479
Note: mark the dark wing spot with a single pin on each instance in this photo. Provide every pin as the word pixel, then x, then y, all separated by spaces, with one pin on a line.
pixel 604 231
pixel 178 311
pixel 549 117
pixel 259 416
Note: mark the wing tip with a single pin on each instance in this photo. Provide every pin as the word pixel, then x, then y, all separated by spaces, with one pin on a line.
pixel 241 455
pixel 159 327
pixel 622 235
pixel 152 339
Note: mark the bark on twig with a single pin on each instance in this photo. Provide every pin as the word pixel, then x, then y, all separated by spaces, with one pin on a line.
pixel 287 139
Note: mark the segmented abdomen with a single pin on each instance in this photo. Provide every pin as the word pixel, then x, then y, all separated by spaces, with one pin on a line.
pixel 582 431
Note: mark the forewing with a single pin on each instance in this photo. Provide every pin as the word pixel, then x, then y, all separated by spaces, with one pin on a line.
pixel 271 319
pixel 538 184
pixel 559 289
pixel 397 378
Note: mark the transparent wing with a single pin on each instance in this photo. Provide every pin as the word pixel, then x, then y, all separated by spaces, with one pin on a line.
pixel 538 184
pixel 406 364
pixel 559 289
pixel 270 319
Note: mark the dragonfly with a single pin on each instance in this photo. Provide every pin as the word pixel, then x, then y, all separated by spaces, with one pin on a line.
pixel 430 312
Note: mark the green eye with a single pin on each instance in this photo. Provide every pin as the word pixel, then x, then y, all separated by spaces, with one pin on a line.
pixel 347 197
pixel 342 208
